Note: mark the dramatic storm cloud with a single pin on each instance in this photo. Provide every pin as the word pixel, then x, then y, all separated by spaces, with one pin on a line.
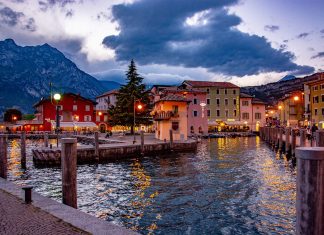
pixel 194 34
pixel 318 55
pixel 12 18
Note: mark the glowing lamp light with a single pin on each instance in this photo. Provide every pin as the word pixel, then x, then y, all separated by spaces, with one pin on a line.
pixel 280 107
pixel 271 111
pixel 100 113
pixel 14 118
pixel 139 106
pixel 202 104
pixel 57 96
pixel 296 98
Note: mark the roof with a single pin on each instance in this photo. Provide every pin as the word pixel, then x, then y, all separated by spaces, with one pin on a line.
pixel 111 92
pixel 178 89
pixel 174 97
pixel 257 101
pixel 210 84
pixel 244 95
pixel 43 99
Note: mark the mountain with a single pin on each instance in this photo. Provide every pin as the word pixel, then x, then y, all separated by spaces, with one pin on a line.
pixel 287 78
pixel 110 85
pixel 26 72
pixel 271 92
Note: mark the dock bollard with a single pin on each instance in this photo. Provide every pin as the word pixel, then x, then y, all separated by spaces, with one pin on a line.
pixel 23 149
pixel 28 193
pixel 280 145
pixel 287 140
pixel 3 156
pixel 69 171
pixel 293 142
pixel 310 193
pixel 320 138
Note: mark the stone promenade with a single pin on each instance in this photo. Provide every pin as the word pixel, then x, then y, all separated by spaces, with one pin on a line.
pixel 16 217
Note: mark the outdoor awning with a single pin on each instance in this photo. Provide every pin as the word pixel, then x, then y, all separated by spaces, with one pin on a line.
pixel 213 123
pixel 234 123
pixel 85 124
pixel 64 124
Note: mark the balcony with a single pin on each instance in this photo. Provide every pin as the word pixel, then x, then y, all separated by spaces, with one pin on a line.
pixel 164 115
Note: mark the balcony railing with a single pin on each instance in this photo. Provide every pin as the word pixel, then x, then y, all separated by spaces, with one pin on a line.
pixel 164 115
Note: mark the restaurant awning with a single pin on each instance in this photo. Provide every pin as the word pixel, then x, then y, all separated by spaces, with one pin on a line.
pixel 234 123
pixel 75 124
pixel 64 124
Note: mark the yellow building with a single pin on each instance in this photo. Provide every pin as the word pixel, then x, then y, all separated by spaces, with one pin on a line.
pixel 291 109
pixel 171 113
pixel 315 106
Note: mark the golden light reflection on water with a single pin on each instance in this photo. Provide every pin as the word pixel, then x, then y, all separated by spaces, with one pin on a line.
pixel 14 165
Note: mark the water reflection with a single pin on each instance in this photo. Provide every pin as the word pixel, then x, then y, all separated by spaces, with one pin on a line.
pixel 229 186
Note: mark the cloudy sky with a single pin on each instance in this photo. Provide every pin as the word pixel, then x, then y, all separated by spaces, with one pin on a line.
pixel 247 42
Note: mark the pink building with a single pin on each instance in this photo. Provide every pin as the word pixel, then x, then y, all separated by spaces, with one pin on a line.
pixel 252 111
pixel 197 113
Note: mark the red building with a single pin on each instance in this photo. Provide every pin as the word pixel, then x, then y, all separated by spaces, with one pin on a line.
pixel 76 113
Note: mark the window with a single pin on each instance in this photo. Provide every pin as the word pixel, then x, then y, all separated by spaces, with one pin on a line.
pixel 226 113
pixel 75 107
pixel 87 118
pixel 322 111
pixel 195 101
pixel 245 116
pixel 207 90
pixel 226 101
pixel 315 88
pixel 208 101
pixel 87 108
pixel 235 112
pixel 245 103
pixel 234 101
pixel 315 111
pixel 98 118
pixel 105 118
pixel 315 99
pixel 195 113
pixel 217 113
pixel 322 98
pixel 175 126
pixel 234 92
pixel 175 109
pixel 225 91
pixel 322 86
pixel 217 102
pixel 217 91
pixel 257 115
pixel 208 113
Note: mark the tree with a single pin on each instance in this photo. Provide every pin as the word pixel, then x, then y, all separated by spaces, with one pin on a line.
pixel 131 95
pixel 12 115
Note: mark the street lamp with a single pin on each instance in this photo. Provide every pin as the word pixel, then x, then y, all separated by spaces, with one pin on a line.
pixel 57 98
pixel 139 107
pixel 202 105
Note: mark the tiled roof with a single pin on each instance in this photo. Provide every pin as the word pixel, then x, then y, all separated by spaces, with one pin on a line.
pixel 178 89
pixel 77 96
pixel 108 93
pixel 244 95
pixel 210 84
pixel 257 101
pixel 173 97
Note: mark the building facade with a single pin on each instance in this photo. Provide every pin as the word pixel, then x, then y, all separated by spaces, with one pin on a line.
pixel 197 112
pixel 171 113
pixel 104 101
pixel 253 112
pixel 222 103
pixel 76 114
pixel 291 109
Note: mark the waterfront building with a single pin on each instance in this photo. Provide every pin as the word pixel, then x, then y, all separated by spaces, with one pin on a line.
pixel 171 113
pixel 222 103
pixel 314 101
pixel 253 112
pixel 197 112
pixel 291 109
pixel 104 101
pixel 76 114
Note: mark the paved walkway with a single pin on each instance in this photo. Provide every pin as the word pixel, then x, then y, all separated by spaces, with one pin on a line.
pixel 16 217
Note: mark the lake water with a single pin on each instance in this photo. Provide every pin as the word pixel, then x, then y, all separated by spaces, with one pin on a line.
pixel 229 186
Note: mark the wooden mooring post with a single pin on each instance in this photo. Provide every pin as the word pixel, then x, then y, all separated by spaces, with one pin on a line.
pixel 302 137
pixel 69 171
pixel 142 142
pixel 280 145
pixel 171 139
pixel 287 140
pixel 310 193
pixel 46 140
pixel 96 145
pixel 23 149
pixel 320 139
pixel 3 156
pixel 293 142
